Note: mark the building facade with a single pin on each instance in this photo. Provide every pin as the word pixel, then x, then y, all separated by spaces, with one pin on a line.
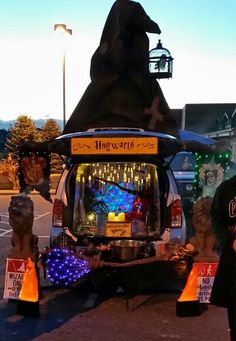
pixel 214 120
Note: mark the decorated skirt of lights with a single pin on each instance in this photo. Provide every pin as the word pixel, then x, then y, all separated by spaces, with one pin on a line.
pixel 65 267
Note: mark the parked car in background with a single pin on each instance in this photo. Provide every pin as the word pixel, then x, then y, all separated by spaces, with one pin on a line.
pixel 183 166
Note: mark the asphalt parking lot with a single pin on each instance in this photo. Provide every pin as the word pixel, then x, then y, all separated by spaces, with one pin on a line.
pixel 80 314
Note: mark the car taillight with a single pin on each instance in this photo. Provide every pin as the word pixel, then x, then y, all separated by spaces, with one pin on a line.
pixel 176 214
pixel 57 213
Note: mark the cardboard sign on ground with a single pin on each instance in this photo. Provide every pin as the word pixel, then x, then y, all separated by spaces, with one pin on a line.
pixel 15 269
pixel 205 278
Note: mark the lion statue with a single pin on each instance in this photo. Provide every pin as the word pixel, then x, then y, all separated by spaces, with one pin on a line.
pixel 21 215
pixel 204 240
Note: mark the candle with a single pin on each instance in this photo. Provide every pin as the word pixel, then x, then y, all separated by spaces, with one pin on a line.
pixel 111 216
pixel 121 216
pixel 90 181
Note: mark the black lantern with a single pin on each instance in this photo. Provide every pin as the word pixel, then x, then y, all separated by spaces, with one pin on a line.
pixel 160 62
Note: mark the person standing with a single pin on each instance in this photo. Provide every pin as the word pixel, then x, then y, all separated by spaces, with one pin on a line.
pixel 223 220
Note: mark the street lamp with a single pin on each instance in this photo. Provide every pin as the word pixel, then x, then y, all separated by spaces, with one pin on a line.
pixel 62 30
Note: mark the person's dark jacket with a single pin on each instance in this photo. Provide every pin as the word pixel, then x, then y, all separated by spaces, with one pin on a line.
pixel 223 216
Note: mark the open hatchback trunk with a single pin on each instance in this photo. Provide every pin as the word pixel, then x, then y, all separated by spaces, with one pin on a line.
pixel 117 185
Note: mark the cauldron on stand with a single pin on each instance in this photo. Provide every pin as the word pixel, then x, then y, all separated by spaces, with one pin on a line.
pixel 126 250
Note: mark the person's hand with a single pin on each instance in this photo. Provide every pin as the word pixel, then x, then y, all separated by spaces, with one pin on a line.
pixel 234 245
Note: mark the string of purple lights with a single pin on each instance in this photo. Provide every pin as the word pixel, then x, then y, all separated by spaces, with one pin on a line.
pixel 64 267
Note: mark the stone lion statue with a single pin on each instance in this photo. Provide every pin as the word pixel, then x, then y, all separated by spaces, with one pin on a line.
pixel 21 215
pixel 204 240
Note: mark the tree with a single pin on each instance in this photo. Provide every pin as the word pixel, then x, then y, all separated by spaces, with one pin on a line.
pixel 3 139
pixel 9 167
pixel 23 129
pixel 50 131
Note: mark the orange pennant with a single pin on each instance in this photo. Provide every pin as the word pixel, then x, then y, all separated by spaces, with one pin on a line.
pixel 190 290
pixel 29 289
